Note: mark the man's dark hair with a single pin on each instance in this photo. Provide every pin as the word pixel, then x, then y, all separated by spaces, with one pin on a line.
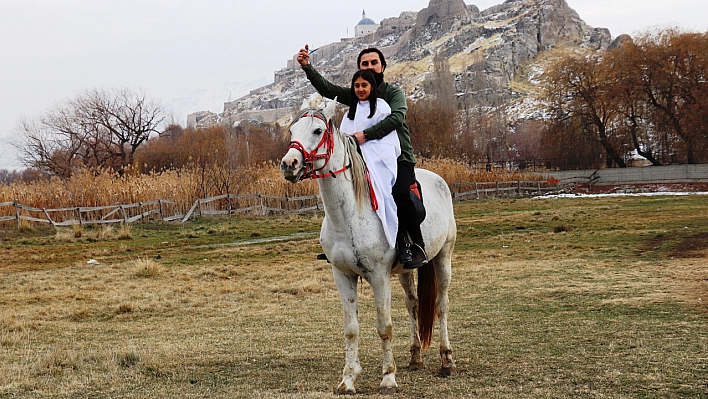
pixel 369 77
pixel 371 50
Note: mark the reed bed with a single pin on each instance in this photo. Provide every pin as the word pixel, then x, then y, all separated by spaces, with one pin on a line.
pixel 456 171
pixel 93 188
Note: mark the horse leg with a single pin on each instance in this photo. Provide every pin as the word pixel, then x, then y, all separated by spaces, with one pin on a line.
pixel 408 283
pixel 443 273
pixel 381 286
pixel 346 285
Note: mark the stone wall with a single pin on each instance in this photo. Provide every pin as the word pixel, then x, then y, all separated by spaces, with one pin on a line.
pixel 647 174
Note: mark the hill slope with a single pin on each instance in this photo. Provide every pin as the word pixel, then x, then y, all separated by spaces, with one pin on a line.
pixel 494 56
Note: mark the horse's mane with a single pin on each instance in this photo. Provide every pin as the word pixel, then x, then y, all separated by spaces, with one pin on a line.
pixel 358 168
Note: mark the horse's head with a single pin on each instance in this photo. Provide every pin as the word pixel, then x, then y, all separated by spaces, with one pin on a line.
pixel 311 143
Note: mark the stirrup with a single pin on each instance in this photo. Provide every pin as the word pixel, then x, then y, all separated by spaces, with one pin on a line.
pixel 322 256
pixel 420 257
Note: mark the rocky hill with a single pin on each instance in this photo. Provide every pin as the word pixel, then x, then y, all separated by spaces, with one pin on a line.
pixel 494 55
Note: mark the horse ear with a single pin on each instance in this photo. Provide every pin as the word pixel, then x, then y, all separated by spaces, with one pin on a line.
pixel 305 104
pixel 329 109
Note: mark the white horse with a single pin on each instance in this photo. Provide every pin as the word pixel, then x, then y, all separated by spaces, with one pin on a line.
pixel 353 239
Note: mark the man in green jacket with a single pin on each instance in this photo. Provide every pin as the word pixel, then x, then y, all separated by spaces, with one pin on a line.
pixel 412 256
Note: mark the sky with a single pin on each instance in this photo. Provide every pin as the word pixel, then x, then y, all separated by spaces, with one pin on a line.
pixel 53 50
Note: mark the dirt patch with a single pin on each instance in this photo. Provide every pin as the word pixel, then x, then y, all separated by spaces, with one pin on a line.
pixel 694 246
pixel 657 242
pixel 678 246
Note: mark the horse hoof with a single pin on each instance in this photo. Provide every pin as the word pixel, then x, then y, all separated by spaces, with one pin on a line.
pixel 343 391
pixel 416 366
pixel 448 371
pixel 388 390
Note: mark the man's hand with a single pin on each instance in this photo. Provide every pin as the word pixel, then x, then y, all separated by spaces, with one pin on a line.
pixel 360 137
pixel 303 56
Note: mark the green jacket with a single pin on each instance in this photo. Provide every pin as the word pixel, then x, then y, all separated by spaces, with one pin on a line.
pixel 393 95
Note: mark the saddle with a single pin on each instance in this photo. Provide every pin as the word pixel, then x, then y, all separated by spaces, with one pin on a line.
pixel 416 194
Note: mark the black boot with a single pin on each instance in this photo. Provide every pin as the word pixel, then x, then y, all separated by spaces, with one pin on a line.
pixel 419 256
pixel 404 249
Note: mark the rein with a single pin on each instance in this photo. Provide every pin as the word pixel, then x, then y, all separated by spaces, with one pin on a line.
pixel 313 156
pixel 327 142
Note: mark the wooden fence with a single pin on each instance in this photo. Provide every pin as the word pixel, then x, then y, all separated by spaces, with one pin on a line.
pixel 257 204
pixel 227 204
pixel 476 190
pixel 231 204
pixel 62 217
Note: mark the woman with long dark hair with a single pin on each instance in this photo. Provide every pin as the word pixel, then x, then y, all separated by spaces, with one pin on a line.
pixel 381 154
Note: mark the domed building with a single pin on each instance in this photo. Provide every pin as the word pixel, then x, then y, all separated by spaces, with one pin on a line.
pixel 365 26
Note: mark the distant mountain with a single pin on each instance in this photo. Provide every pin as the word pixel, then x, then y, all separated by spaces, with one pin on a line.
pixel 495 56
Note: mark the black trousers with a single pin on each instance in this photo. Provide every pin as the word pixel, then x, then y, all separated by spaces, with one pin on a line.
pixel 404 204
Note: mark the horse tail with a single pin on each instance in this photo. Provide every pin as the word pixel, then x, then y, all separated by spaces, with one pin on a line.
pixel 358 172
pixel 427 296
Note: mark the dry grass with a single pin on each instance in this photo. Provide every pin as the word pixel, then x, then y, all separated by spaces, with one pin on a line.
pixel 455 171
pixel 88 188
pixel 105 232
pixel 147 268
pixel 79 233
pixel 604 309
pixel 125 232
pixel 78 230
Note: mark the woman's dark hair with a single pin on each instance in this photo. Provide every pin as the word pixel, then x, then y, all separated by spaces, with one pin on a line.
pixel 369 77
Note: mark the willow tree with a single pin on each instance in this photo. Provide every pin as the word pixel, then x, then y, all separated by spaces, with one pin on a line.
pixel 580 94
pixel 672 73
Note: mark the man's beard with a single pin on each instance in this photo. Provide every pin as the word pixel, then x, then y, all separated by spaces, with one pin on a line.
pixel 379 77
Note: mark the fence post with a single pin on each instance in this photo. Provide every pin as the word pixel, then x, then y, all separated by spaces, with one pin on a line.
pixel 199 201
pixel 159 203
pixel 539 186
pixel 17 214
pixel 78 213
pixel 46 214
pixel 228 203
pixel 125 215
pixel 497 189
pixel 476 189
pixel 518 188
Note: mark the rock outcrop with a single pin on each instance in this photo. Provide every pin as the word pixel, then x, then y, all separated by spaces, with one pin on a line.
pixel 487 51
pixel 620 41
pixel 442 10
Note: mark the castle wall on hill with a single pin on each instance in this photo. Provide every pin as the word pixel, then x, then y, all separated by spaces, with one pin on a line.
pixel 263 115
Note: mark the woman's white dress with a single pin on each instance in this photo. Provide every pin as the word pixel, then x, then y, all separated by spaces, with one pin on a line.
pixel 381 157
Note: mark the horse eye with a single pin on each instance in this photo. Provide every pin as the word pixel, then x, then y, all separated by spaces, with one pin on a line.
pixel 318 131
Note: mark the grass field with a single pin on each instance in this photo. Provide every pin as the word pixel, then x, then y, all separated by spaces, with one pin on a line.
pixel 551 298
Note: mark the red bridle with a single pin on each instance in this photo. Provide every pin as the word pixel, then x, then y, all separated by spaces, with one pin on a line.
pixel 313 156
pixel 328 142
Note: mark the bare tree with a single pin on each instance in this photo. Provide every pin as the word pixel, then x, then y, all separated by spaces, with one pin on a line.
pixel 44 147
pixel 95 129
pixel 127 115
